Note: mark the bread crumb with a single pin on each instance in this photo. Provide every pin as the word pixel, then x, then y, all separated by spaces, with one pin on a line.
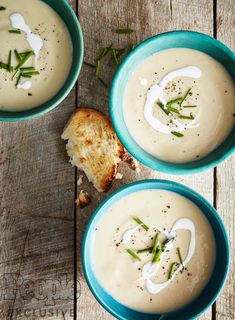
pixel 119 176
pixel 80 180
pixel 83 199
pixel 134 165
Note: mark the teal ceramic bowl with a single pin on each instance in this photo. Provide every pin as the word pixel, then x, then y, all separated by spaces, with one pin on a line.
pixel 68 16
pixel 213 287
pixel 174 39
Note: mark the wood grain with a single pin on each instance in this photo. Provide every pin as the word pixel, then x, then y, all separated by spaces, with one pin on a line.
pixel 36 217
pixel 225 305
pixel 99 19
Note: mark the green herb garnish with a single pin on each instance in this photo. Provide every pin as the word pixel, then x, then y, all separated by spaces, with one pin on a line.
pixel 143 225
pixel 18 79
pixel 171 270
pixel 157 255
pixel 27 69
pixel 9 62
pixel 185 96
pixel 3 66
pixel 2 8
pixel 149 249
pixel 120 52
pixel 17 55
pixel 177 134
pixel 105 51
pixel 155 244
pixel 173 110
pixel 177 100
pixel 186 117
pixel 167 241
pixel 26 57
pixel 179 255
pixel 124 31
pixel 193 106
pixel 97 68
pixel 133 254
pixel 114 58
pixel 32 73
pixel 164 109
pixel 14 31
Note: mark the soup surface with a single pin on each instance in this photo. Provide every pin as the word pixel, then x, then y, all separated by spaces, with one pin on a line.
pixel 179 105
pixel 35 54
pixel 170 257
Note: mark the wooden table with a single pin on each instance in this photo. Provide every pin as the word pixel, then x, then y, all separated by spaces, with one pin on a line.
pixel 41 229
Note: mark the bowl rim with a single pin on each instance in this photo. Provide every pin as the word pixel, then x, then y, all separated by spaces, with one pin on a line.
pixel 166 167
pixel 64 90
pixel 175 186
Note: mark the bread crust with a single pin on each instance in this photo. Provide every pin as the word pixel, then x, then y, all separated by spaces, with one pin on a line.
pixel 79 126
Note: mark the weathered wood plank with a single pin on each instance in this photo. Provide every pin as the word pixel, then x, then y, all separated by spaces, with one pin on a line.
pixel 225 305
pixel 36 217
pixel 99 19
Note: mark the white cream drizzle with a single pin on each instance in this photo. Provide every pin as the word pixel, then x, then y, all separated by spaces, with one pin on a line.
pixel 25 85
pixel 34 40
pixel 156 92
pixel 149 269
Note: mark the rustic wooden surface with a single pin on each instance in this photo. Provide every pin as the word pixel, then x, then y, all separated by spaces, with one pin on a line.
pixel 41 230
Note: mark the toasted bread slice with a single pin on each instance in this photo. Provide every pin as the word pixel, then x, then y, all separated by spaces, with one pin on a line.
pixel 93 146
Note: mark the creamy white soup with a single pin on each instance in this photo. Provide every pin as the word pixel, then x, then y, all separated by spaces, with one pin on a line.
pixel 154 251
pixel 35 54
pixel 179 105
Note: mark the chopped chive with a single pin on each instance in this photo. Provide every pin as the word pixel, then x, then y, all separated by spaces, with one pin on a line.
pixel 179 255
pixel 186 117
pixel 22 62
pixel 174 110
pixel 193 106
pixel 2 8
pixel 32 73
pixel 27 69
pixel 133 254
pixel 17 55
pixel 163 109
pixel 3 66
pixel 185 96
pixel 103 82
pixel 120 52
pixel 9 61
pixel 105 51
pixel 89 64
pixel 177 134
pixel 97 68
pixel 177 100
pixel 143 225
pixel 14 31
pixel 14 74
pixel 18 79
pixel 24 54
pixel 167 241
pixel 26 75
pixel 124 31
pixel 157 255
pixel 171 270
pixel 155 243
pixel 114 57
pixel 149 249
